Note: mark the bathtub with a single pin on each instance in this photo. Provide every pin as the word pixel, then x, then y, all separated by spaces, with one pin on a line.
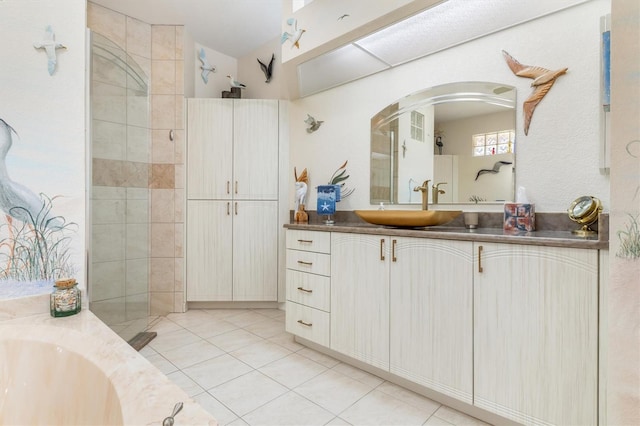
pixel 77 371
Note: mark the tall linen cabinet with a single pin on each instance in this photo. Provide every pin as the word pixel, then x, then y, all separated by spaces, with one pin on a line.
pixel 233 216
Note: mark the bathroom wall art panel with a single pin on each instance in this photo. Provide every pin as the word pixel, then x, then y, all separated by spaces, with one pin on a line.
pixel 42 146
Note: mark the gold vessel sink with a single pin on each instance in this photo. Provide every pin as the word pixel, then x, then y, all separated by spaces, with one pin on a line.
pixel 408 218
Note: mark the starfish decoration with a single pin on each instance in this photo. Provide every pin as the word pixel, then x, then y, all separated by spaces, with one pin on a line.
pixel 543 79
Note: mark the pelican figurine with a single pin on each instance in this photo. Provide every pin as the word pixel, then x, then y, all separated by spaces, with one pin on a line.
pixel 267 69
pixel 49 45
pixel 543 79
pixel 16 200
pixel 206 67
pixel 302 183
pixel 293 37
pixel 235 83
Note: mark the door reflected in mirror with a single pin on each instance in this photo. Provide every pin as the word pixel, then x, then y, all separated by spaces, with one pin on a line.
pixel 460 136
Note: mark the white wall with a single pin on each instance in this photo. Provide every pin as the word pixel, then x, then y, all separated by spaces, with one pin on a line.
pixel 47 111
pixel 556 162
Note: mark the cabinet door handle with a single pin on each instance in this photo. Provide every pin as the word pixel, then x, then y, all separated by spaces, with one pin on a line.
pixel 236 187
pixel 227 187
pixel 302 262
pixel 236 208
pixel 308 324
pixel 393 250
pixel 305 290
pixel 306 241
pixel 480 259
pixel 382 249
pixel 228 208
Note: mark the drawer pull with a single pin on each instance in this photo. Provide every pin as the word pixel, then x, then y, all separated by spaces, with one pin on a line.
pixel 306 241
pixel 302 262
pixel 480 259
pixel 305 290
pixel 227 187
pixel 236 187
pixel 307 324
pixel 393 250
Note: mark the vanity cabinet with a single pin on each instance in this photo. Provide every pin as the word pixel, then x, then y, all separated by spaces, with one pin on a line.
pixel 360 297
pixel 405 305
pixel 536 333
pixel 431 314
pixel 308 285
pixel 232 200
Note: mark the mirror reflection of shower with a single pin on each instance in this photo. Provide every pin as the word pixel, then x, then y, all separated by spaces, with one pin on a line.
pixel 118 282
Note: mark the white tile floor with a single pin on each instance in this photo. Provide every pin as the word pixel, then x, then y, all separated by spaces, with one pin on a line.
pixel 242 367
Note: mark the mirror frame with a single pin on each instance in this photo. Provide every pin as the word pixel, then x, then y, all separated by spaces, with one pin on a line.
pixel 502 95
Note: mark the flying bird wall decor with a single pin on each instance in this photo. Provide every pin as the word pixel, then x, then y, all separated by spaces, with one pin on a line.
pixel 543 79
pixel 294 37
pixel 206 67
pixel 494 170
pixel 267 69
pixel 313 124
pixel 50 45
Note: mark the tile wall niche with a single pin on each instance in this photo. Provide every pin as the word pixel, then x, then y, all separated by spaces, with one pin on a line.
pixel 158 49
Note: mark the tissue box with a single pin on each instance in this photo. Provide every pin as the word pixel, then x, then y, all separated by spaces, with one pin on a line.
pixel 519 217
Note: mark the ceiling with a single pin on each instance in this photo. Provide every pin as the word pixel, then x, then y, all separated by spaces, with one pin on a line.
pixel 231 27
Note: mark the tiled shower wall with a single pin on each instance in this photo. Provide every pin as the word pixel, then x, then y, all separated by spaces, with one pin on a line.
pixel 158 50
pixel 167 170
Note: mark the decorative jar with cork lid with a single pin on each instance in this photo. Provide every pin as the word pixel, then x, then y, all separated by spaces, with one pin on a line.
pixel 66 298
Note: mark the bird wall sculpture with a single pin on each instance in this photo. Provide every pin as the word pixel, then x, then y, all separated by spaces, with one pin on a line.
pixel 494 170
pixel 235 83
pixel 294 37
pixel 267 69
pixel 206 67
pixel 313 124
pixel 50 45
pixel 543 79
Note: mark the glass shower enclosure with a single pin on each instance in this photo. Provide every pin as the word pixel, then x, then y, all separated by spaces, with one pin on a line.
pixel 118 260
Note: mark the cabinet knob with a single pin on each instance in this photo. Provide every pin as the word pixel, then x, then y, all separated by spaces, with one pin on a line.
pixel 307 324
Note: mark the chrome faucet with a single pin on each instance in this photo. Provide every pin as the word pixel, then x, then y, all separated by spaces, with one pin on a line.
pixel 425 194
pixel 437 191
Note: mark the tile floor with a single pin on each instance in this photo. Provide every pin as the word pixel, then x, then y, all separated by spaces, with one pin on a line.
pixel 242 367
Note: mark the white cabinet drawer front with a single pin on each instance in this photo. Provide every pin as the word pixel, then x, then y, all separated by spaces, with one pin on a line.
pixel 309 289
pixel 308 323
pixel 305 261
pixel 319 242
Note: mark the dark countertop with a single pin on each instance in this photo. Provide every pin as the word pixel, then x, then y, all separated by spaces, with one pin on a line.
pixel 551 237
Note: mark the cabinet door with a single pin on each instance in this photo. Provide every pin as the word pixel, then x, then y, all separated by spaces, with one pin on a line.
pixel 255 152
pixel 209 250
pixel 255 250
pixel 535 333
pixel 360 297
pixel 209 148
pixel 431 289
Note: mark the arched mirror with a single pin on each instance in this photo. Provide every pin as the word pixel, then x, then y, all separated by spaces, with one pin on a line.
pixel 458 135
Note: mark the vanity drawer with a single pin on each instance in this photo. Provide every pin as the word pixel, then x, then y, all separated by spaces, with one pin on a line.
pixel 306 261
pixel 319 242
pixel 308 323
pixel 309 289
